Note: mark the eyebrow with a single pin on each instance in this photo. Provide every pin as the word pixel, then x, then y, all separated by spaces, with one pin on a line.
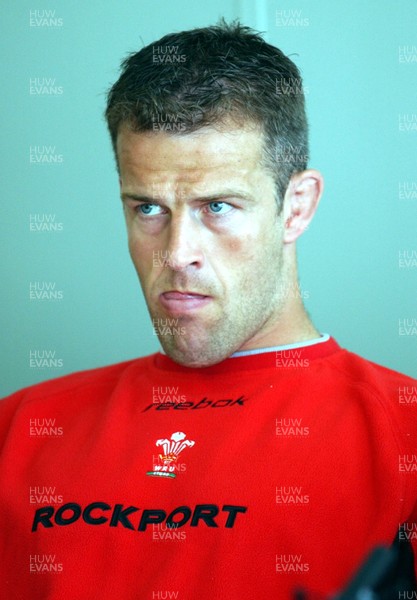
pixel 222 195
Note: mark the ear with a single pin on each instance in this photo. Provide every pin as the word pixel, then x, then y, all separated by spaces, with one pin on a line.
pixel 300 202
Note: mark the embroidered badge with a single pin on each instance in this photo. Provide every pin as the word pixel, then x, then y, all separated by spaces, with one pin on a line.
pixel 171 450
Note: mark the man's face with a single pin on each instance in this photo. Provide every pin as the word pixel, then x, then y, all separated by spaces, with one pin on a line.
pixel 205 238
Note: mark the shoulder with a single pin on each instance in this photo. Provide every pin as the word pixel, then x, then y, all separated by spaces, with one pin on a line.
pixel 377 378
pixel 378 390
pixel 100 378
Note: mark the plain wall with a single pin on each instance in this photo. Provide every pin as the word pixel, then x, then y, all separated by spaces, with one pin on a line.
pixel 359 63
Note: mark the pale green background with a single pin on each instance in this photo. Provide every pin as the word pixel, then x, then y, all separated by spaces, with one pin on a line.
pixel 348 54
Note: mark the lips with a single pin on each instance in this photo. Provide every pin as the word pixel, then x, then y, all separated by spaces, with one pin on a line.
pixel 182 295
pixel 176 302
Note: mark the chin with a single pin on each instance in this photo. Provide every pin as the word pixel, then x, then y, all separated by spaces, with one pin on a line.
pixel 197 364
pixel 197 358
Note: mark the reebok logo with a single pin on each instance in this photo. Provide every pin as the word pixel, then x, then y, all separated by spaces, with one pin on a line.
pixel 204 403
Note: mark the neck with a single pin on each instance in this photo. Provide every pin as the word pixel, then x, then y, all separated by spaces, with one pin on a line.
pixel 293 325
pixel 289 323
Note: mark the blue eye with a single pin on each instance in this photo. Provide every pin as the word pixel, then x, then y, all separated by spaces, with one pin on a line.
pixel 145 208
pixel 148 209
pixel 219 207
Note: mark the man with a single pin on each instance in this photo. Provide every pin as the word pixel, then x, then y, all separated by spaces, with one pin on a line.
pixel 252 456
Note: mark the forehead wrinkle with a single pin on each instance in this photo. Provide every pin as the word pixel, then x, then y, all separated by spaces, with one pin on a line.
pixel 201 145
pixel 161 166
pixel 201 176
pixel 202 186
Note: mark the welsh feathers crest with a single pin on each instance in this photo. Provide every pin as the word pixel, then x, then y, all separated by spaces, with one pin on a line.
pixel 171 450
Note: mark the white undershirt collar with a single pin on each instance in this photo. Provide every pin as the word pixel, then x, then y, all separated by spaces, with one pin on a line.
pixel 324 337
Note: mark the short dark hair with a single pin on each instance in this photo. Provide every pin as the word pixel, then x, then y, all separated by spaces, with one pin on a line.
pixel 208 76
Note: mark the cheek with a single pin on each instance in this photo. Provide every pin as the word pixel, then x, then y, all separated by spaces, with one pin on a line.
pixel 141 256
pixel 134 249
pixel 237 246
pixel 254 244
pixel 237 264
pixel 259 258
pixel 140 245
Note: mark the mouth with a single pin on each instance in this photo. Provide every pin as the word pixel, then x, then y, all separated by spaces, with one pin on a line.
pixel 176 302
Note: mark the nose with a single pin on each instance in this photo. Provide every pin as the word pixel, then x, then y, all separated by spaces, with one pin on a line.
pixel 184 242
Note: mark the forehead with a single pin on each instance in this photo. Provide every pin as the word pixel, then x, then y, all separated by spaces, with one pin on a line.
pixel 146 157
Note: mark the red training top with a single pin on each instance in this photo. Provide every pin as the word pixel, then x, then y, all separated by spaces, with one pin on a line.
pixel 240 481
